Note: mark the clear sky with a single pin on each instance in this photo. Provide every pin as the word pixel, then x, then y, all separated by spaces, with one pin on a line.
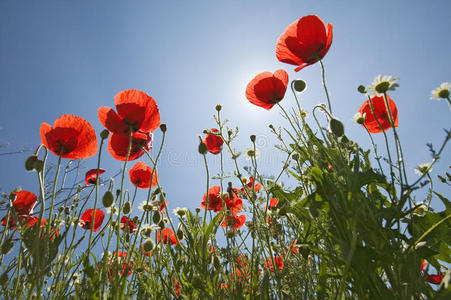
pixel 72 57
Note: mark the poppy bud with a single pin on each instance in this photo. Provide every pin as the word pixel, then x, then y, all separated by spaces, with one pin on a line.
pixel 441 178
pixel 156 217
pixel 216 262
pixel 336 127
pixel 29 163
pixel 218 107
pixel 361 89
pixel 118 193
pixel 271 126
pixel 104 134
pixel 149 245
pixel 295 156
pixel 67 210
pixel 197 210
pixel 299 85
pixel 136 219
pixel 7 246
pixel 127 208
pixel 253 137
pixel 4 278
pixel 163 127
pixel 203 148
pixel 108 199
pixel 180 233
pixel 161 225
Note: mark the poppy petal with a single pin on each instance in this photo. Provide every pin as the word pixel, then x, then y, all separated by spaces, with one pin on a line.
pixel 111 120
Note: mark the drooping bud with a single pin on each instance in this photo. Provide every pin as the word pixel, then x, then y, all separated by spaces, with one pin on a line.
pixel 179 233
pixel 336 127
pixel 30 162
pixel 295 156
pixel 108 199
pixel 253 137
pixel 163 127
pixel 299 85
pixel 361 89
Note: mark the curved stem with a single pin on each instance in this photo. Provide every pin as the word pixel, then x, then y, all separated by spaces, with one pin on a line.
pixel 324 84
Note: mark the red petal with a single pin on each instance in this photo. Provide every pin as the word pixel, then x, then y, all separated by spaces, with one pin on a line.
pixel 111 120
pixel 24 202
pixel 140 175
pixel 91 176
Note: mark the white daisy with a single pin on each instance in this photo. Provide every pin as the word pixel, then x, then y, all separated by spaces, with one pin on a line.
pixel 420 210
pixel 251 154
pixel 359 118
pixel 146 229
pixel 423 169
pixel 382 84
pixel 442 92
pixel 302 115
pixel 113 209
pixel 180 211
pixel 145 206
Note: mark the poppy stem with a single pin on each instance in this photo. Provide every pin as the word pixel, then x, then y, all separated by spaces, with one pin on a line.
pixel 54 188
pixel 323 72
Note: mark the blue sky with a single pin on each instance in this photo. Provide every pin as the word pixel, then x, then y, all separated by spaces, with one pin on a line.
pixel 72 57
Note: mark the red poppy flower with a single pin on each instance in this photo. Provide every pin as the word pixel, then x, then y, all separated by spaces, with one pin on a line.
pixel 135 110
pixel 213 142
pixel 127 225
pixel 118 145
pixel 304 42
pixel 120 258
pixel 234 221
pixel 267 89
pixel 11 222
pixel 31 221
pixel 140 175
pixel 214 199
pixel 250 184
pixel 279 263
pixel 24 202
pixel 71 137
pixel 435 278
pixel 167 235
pixel 177 288
pixel 86 219
pixel 91 176
pixel 162 205
pixel 380 113
pixel 272 203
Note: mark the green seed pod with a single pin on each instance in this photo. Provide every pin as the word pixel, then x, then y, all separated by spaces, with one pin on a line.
pixel 299 85
pixel 218 107
pixel 216 262
pixel 127 208
pixel 108 199
pixel 156 217
pixel 361 89
pixel 336 127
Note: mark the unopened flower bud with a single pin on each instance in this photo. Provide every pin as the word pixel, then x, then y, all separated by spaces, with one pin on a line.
pixel 29 163
pixel 180 233
pixel 253 137
pixel 163 127
pixel 295 156
pixel 104 134
pixel 299 85
pixel 4 278
pixel 218 107
pixel 156 217
pixel 127 208
pixel 108 199
pixel 336 127
pixel 118 193
pixel 203 148
pixel 7 246
pixel 361 89
pixel 148 245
